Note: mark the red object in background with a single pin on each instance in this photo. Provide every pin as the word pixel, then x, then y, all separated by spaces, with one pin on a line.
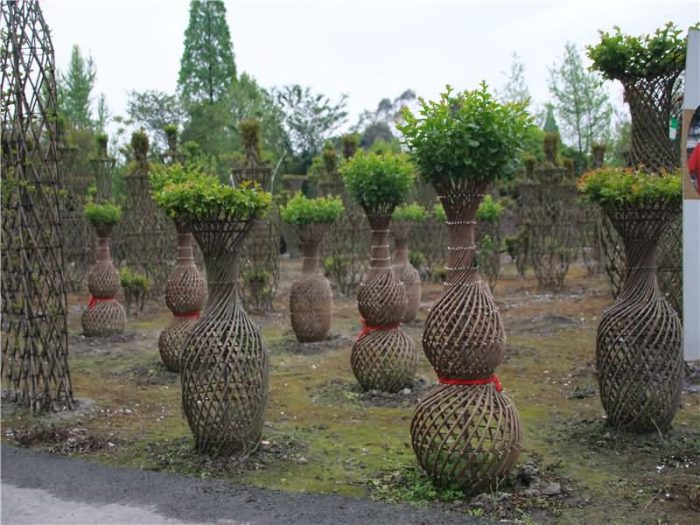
pixel 694 161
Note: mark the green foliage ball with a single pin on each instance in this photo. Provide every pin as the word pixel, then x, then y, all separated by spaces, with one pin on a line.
pixel 300 210
pixel 628 186
pixel 378 182
pixel 489 210
pixel 466 136
pixel 205 198
pixel 103 214
pixel 413 212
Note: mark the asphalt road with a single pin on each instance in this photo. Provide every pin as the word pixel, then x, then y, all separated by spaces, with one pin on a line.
pixel 40 488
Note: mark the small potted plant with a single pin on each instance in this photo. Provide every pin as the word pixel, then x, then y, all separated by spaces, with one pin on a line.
pixel 224 364
pixel 383 356
pixel 311 297
pixel 105 315
pixel 402 220
pixel 466 432
pixel 639 358
pixel 186 288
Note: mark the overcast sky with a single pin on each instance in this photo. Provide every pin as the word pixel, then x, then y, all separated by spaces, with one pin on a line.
pixel 368 49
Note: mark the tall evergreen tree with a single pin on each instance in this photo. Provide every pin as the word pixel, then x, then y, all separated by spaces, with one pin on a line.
pixel 75 89
pixel 550 123
pixel 582 105
pixel 207 67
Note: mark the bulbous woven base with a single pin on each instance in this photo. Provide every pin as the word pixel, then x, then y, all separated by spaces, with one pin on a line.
pixel 171 339
pixel 311 308
pixel 224 384
pixel 468 436
pixel 104 319
pixel 186 289
pixel 464 336
pixel 381 298
pixel 103 279
pixel 384 360
pixel 640 365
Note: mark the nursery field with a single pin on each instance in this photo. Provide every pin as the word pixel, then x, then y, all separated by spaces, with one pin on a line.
pixel 323 434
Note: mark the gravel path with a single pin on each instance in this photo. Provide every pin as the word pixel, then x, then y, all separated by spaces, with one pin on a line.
pixel 41 488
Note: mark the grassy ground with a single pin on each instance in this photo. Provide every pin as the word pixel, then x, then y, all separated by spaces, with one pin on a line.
pixel 324 435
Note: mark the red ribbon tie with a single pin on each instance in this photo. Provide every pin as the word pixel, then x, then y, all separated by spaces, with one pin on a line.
pixel 470 382
pixel 189 315
pixel 368 328
pixel 94 300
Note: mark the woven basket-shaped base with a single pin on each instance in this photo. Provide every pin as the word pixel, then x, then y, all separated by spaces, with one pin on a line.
pixel 466 436
pixel 464 336
pixel 186 290
pixel 225 383
pixel 103 279
pixel 171 339
pixel 410 278
pixel 104 319
pixel 311 308
pixel 381 298
pixel 384 360
pixel 640 365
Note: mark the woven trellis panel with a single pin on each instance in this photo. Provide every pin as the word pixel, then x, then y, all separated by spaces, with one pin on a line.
pixel 467 435
pixel 311 297
pixel 405 271
pixel 185 295
pixel 345 248
pixel 34 334
pixel 225 365
pixel 383 357
pixel 145 235
pixel 553 220
pixel 638 349
pixel 260 272
pixel 105 315
pixel 76 231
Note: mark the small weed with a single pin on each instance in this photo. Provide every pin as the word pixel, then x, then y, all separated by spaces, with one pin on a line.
pixel 412 485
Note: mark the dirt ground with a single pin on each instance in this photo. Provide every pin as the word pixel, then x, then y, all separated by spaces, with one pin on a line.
pixel 324 435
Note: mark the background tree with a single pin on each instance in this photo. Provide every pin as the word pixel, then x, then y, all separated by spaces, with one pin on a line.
pixel 207 66
pixel 380 124
pixel 515 89
pixel 103 113
pixel 550 122
pixel 309 118
pixel 251 101
pixel 582 105
pixel 152 110
pixel 75 89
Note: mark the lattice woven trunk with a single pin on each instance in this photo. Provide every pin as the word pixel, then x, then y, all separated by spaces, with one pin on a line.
pixel 467 432
pixel 405 271
pixel 33 317
pixel 311 297
pixel 104 315
pixel 225 365
pixel 383 356
pixel 638 348
pixel 185 295
pixel 260 272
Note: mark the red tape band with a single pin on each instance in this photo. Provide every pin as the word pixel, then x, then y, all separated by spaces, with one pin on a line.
pixel 471 382
pixel 368 328
pixel 94 300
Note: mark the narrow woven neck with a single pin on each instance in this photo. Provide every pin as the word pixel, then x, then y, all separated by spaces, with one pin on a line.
pixel 104 238
pixel 460 202
pixel 185 250
pixel 310 251
pixel 400 251
pixel 380 254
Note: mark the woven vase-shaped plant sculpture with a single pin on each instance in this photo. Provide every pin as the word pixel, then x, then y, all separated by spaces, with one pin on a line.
pixel 224 366
pixel 383 356
pixel 311 297
pixel 105 315
pixel 466 432
pixel 638 349
pixel 185 295
pixel 405 271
